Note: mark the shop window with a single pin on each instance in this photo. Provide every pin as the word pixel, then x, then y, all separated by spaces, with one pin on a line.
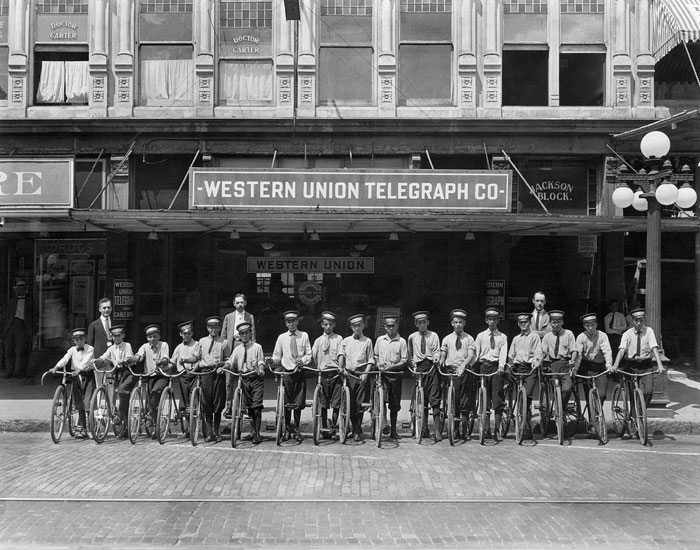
pixel 346 53
pixel 61 77
pixel 4 80
pixel 525 77
pixel 425 52
pixel 166 69
pixel 246 71
pixel 582 79
pixel 158 178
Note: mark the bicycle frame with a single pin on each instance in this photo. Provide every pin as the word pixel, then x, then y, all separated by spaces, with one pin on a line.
pixel 103 407
pixel 62 409
pixel 558 406
pixel 593 408
pixel 449 405
pixel 281 405
pixel 482 409
pixel 167 407
pixel 316 408
pixel 521 406
pixel 195 411
pixel 636 409
pixel 418 406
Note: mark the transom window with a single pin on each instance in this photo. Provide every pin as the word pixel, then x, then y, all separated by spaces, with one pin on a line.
pixel 62 6
pixel 525 6
pixel 583 6
pixel 426 6
pixel 245 15
pixel 166 6
pixel 346 7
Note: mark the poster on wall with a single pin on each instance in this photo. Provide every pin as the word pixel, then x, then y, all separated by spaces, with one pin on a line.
pixel 123 300
pixel 80 293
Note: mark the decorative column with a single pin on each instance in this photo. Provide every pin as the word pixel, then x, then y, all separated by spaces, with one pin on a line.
pixel 99 30
pixel 307 62
pixel 622 63
pixel 493 65
pixel 554 38
pixel 284 65
pixel 204 60
pixel 467 66
pixel 124 63
pixel 387 58
pixel 18 97
pixel 644 89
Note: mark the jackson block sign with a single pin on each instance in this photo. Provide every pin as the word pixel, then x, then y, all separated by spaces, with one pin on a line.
pixel 353 189
pixel 561 190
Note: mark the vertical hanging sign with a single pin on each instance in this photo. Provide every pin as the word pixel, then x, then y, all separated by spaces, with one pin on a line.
pixel 123 300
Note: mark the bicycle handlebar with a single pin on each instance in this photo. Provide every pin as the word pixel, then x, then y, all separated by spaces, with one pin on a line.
pixel 176 375
pixel 592 377
pixel 635 375
pixel 522 374
pixel 241 374
pixel 556 374
pixel 140 374
pixel 482 375
pixel 105 371
pixel 422 373
pixel 327 369
pixel 447 373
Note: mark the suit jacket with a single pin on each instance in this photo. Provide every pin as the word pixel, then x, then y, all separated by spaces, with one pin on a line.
pixel 544 327
pixel 9 314
pixel 228 330
pixel 97 337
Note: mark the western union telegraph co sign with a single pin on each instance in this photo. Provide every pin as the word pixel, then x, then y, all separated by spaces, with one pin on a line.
pixel 354 189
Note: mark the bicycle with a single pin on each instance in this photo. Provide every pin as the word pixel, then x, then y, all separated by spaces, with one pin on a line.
pixel 62 408
pixel 344 417
pixel 593 410
pixel 237 405
pixel 482 410
pixel 167 409
pixel 520 408
pixel 448 406
pixel 544 402
pixel 103 409
pixel 195 410
pixel 139 408
pixel 281 404
pixel 631 410
pixel 418 407
pixel 377 407
pixel 557 404
pixel 316 405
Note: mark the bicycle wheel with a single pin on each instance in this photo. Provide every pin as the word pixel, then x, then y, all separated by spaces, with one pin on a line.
pixel 507 412
pixel 279 414
pixel 166 407
pixel 134 414
pixel 381 414
pixel 559 414
pixel 520 414
pixel 597 415
pixel 195 415
pixel 100 414
pixel 236 415
pixel 73 415
pixel 59 406
pixel 147 418
pixel 545 406
pixel 483 415
pixel 419 413
pixel 640 413
pixel 451 414
pixel 344 415
pixel 619 409
pixel 117 427
pixel 316 412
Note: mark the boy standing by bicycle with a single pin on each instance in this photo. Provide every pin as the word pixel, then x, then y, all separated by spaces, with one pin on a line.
pixel 558 347
pixel 80 356
pixel 325 355
pixel 423 352
pixel 186 357
pixel 390 356
pixel 292 351
pixel 356 356
pixel 249 357
pixel 456 354
pixel 491 356
pixel 215 350
pixel 639 349
pixel 593 354
pixel 524 356
pixel 154 354
pixel 229 332
pixel 118 355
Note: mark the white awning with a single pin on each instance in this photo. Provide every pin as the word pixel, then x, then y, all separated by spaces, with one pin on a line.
pixel 674 21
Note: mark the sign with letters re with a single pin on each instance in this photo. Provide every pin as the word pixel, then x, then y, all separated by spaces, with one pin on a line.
pixel 32 183
pixel 351 189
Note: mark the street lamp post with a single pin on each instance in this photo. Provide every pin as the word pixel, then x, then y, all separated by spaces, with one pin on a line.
pixel 655 188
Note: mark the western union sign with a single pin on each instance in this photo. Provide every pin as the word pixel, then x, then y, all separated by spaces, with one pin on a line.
pixel 310 265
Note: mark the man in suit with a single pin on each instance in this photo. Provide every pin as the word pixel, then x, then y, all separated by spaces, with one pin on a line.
pixel 540 318
pixel 229 332
pixel 98 334
pixel 18 329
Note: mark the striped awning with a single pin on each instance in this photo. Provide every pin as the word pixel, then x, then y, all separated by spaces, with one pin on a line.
pixel 674 21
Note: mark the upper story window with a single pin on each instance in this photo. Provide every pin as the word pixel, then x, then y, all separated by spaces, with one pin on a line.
pixel 425 52
pixel 346 53
pixel 525 76
pixel 61 36
pixel 166 69
pixel 245 52
pixel 525 6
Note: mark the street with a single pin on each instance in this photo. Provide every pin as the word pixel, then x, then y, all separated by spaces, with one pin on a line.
pixel 542 495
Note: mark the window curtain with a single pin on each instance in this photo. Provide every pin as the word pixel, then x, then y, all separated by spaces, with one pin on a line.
pixel 63 82
pixel 166 79
pixel 246 81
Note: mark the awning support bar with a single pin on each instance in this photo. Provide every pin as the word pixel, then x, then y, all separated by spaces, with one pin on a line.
pixel 532 191
pixel 113 172
pixel 184 179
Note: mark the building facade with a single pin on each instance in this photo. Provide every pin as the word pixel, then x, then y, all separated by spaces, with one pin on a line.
pixel 109 109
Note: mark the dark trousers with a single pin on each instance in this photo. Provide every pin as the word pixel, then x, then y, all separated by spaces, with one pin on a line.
pixel 295 390
pixel 589 368
pixel 17 346
pixel 358 390
pixel 330 391
pixel 529 384
pixel 646 383
pixel 431 383
pixel 219 391
pixel 82 388
pixel 494 386
pixel 566 382
pixel 252 388
pixel 461 386
pixel 392 391
pixel 207 394
pixel 187 383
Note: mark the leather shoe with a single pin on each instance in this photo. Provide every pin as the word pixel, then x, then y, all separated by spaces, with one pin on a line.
pixel 249 437
pixel 217 438
pixel 426 432
pixel 298 436
pixel 257 439
pixel 357 437
pixel 287 435
pixel 386 430
pixel 437 437
pixel 394 435
pixel 209 438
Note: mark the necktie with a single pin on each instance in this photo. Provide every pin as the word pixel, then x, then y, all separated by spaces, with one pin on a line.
pixel 492 341
pixel 326 344
pixel 356 337
pixel 458 343
pixel 422 344
pixel 537 321
pixel 293 345
pixel 80 349
pixel 211 346
pixel 105 324
pixel 245 357
pixel 612 320
pixel 639 344
pixel 556 348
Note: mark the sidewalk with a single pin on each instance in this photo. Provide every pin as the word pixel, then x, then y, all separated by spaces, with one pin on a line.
pixel 25 405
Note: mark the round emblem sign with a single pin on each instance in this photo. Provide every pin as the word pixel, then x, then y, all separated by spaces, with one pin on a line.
pixel 310 292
